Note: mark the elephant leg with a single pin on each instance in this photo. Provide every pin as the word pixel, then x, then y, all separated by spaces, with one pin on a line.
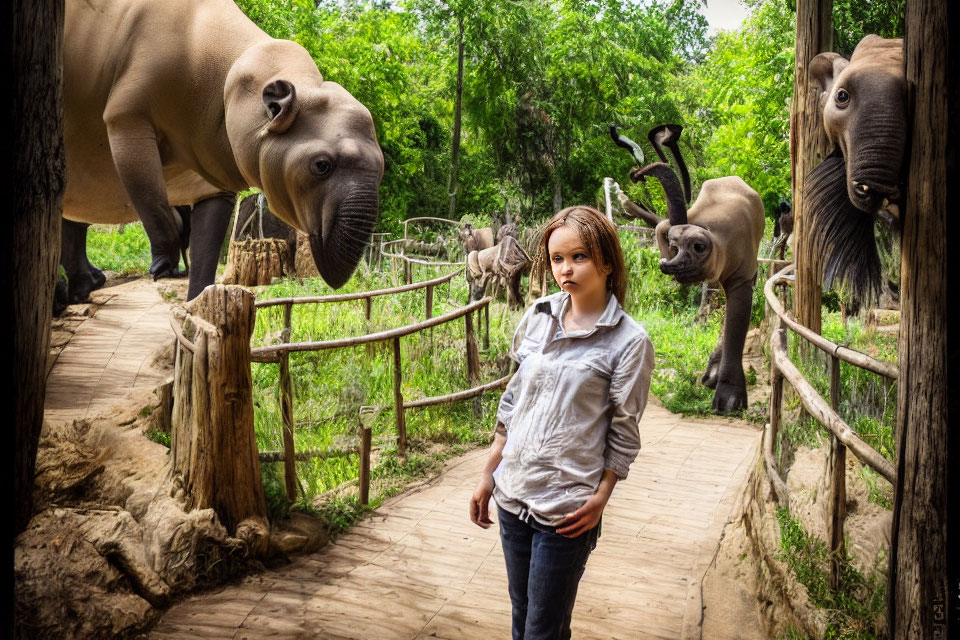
pixel 133 144
pixel 82 277
pixel 208 228
pixel 712 374
pixel 730 394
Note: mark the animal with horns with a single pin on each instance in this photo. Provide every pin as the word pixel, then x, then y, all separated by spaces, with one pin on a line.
pixel 715 241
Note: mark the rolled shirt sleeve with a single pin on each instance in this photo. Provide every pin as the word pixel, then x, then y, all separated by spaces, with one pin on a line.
pixel 629 388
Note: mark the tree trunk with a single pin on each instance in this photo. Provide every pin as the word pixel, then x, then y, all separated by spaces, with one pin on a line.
pixel 808 147
pixel 923 577
pixel 34 242
pixel 454 186
pixel 213 447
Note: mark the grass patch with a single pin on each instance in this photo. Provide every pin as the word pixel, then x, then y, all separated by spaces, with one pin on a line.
pixel 159 436
pixel 123 248
pixel 855 610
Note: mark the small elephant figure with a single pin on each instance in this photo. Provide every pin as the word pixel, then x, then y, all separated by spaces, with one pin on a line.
pixel 505 263
pixel 715 241
pixel 476 239
pixel 782 227
pixel 864 113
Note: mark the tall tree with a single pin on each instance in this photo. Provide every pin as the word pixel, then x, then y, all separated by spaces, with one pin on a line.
pixel 808 147
pixel 924 575
pixel 33 245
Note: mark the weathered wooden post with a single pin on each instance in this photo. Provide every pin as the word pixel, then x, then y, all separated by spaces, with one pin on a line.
pixel 924 575
pixel 429 303
pixel 838 484
pixel 213 446
pixel 808 147
pixel 253 262
pixel 286 411
pixel 473 363
pixel 398 398
pixel 368 306
pixel 365 441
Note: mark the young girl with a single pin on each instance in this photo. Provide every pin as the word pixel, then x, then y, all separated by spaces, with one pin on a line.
pixel 567 424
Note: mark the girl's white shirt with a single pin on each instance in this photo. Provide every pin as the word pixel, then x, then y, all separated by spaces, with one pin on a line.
pixel 572 408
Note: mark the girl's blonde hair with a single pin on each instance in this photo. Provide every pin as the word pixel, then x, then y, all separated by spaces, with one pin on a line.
pixel 599 237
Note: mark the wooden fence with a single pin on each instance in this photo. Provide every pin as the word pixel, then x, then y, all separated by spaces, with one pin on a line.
pixel 280 354
pixel 842 436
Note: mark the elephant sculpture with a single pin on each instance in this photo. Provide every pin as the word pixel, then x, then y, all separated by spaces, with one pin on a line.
pixel 864 113
pixel 476 239
pixel 782 227
pixel 715 241
pixel 504 263
pixel 186 102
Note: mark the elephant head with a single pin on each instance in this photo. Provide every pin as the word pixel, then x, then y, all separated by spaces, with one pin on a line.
pixel 687 249
pixel 864 113
pixel 311 147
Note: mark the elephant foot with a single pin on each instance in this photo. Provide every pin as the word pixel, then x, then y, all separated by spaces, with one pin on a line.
pixel 61 297
pixel 164 267
pixel 712 375
pixel 98 277
pixel 729 398
pixel 79 287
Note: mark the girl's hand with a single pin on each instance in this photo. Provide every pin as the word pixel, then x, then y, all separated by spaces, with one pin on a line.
pixel 480 502
pixel 587 516
pixel 584 518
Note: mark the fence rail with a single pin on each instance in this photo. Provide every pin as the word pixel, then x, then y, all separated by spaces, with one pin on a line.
pixel 842 436
pixel 280 354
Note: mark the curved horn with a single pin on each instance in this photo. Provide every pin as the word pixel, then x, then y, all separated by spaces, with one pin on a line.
pixel 668 135
pixel 628 144
pixel 676 207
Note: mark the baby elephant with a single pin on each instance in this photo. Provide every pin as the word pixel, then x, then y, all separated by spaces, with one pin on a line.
pixel 715 241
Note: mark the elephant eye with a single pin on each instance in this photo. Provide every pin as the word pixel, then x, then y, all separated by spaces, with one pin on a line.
pixel 843 98
pixel 321 167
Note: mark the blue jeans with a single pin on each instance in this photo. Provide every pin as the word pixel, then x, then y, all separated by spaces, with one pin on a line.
pixel 543 572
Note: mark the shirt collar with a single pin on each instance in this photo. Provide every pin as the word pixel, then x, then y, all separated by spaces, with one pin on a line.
pixel 610 316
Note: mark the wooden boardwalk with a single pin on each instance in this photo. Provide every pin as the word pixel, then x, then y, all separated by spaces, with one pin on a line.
pixel 418 568
pixel 110 354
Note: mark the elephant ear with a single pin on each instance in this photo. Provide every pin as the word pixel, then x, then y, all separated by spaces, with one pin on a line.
pixel 824 69
pixel 280 100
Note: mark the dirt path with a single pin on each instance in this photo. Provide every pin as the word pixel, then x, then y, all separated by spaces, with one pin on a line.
pixel 417 568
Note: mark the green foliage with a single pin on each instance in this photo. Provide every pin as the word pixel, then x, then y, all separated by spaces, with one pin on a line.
pixel 159 436
pixel 853 19
pixel 855 610
pixel 122 248
pixel 737 104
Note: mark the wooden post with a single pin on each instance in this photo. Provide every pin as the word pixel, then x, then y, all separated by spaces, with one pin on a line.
pixel 368 306
pixel 286 411
pixel 429 303
pixel 407 272
pixel 213 447
pixel 486 330
pixel 838 484
pixel 776 402
pixel 473 363
pixel 365 435
pixel 398 398
pixel 924 561
pixel 808 147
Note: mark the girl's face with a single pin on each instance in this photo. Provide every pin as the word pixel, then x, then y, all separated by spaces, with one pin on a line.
pixel 572 267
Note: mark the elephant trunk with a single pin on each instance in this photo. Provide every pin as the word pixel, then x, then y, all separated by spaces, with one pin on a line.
pixel 875 151
pixel 338 252
pixel 676 207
